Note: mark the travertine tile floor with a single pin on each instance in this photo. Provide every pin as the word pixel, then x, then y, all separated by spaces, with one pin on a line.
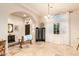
pixel 43 49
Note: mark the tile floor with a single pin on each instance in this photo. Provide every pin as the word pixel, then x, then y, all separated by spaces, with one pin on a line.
pixel 43 49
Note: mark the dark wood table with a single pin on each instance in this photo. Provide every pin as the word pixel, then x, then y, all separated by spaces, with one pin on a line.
pixel 2 47
pixel 77 47
pixel 77 44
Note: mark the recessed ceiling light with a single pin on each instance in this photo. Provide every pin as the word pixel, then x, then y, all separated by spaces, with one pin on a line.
pixel 24 15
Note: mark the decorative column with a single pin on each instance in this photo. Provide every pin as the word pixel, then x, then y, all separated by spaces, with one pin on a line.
pixel 69 20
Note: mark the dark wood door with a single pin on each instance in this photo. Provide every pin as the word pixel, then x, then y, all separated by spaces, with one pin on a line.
pixel 27 29
pixel 40 34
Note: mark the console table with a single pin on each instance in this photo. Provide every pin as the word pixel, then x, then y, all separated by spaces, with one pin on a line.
pixel 21 42
pixel 77 44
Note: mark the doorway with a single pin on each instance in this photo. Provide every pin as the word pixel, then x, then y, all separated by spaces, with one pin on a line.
pixel 27 29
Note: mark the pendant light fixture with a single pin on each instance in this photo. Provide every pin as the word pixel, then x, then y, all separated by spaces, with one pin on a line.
pixel 49 15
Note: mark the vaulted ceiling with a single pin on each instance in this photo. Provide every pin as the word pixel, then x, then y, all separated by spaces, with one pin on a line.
pixel 54 8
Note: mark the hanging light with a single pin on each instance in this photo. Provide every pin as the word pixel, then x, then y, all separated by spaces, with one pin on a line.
pixel 27 20
pixel 48 16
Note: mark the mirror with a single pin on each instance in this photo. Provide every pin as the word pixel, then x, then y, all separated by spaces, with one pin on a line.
pixel 10 28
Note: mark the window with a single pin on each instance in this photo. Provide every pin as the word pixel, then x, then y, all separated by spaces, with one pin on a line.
pixel 56 28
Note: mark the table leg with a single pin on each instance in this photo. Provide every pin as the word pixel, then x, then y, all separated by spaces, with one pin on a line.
pixel 20 44
pixel 30 41
pixel 77 47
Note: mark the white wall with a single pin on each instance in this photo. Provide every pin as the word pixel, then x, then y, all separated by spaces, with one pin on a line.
pixel 32 29
pixel 3 23
pixel 20 24
pixel 63 37
pixel 5 10
pixel 74 28
pixel 73 37
pixel 21 27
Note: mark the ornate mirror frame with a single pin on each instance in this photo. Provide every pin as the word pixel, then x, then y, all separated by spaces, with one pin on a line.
pixel 10 28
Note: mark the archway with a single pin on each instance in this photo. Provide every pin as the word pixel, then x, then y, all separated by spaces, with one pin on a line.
pixel 19 19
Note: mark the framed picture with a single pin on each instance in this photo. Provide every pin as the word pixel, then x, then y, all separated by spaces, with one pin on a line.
pixel 10 28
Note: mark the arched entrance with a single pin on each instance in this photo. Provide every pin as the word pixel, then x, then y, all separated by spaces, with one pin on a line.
pixel 19 20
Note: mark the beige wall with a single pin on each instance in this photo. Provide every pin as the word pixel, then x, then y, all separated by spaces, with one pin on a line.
pixel 63 37
pixel 20 24
pixel 3 23
pixel 74 28
pixel 16 21
pixel 3 26
pixel 6 10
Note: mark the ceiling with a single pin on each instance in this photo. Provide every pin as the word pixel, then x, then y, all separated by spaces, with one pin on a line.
pixel 41 9
pixel 54 8
pixel 21 14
